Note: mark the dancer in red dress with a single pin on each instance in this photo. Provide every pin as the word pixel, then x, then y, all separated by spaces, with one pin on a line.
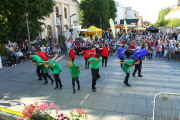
pixel 105 54
pixel 72 54
pixel 86 57
pixel 92 52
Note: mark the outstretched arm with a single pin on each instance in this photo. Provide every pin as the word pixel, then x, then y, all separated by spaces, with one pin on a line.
pixel 54 57
pixel 115 53
pixel 60 58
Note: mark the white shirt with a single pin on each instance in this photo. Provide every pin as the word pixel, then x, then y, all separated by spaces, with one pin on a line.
pixel 68 44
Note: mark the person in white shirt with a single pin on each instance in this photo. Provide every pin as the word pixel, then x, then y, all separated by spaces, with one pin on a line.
pixel 68 45
pixel 43 48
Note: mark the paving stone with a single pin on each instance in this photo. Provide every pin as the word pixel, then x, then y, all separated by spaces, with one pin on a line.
pixel 103 98
pixel 81 103
pixel 103 106
pixel 112 116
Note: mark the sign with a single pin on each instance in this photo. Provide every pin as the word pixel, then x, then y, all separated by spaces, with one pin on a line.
pixel 58 21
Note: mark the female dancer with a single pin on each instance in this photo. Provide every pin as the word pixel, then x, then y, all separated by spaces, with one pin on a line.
pixel 104 54
pixel 92 51
pixel 72 54
pixel 126 68
pixel 95 64
pixel 74 70
pixel 121 54
pixel 45 72
pixel 86 57
pixel 56 70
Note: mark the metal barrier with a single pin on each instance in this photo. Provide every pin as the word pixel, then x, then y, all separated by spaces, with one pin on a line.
pixel 166 106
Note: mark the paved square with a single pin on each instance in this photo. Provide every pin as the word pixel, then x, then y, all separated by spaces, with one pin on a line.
pixel 112 101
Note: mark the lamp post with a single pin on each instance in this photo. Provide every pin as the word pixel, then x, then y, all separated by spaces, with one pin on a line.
pixel 70 24
pixel 26 15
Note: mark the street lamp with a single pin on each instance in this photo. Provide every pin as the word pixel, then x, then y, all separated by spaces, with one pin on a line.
pixel 26 15
pixel 100 23
pixel 71 30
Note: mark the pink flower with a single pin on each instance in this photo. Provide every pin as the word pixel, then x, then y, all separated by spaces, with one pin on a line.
pixel 57 109
pixel 43 106
pixel 52 105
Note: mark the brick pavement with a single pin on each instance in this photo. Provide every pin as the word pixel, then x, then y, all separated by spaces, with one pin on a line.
pixel 112 101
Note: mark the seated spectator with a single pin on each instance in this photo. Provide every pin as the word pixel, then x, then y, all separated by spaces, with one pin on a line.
pixel 21 57
pixel 43 48
pixel 48 50
pixel 37 45
pixel 12 58
pixel 7 48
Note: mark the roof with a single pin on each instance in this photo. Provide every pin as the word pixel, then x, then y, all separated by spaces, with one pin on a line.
pixel 152 28
pixel 129 21
pixel 174 10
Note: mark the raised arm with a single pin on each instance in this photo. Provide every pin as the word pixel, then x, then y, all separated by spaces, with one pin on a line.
pixel 60 58
pixel 115 53
pixel 54 57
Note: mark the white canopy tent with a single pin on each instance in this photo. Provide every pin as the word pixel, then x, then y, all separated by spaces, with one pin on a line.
pixel 178 27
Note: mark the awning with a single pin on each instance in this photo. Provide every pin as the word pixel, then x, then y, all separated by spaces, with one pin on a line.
pixel 129 21
pixel 118 26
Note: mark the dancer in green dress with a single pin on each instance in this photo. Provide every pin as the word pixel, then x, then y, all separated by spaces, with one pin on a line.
pixel 56 70
pixel 126 68
pixel 74 71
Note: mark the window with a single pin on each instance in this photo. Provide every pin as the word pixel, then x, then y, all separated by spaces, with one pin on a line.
pixel 57 11
pixel 65 12
pixel 115 22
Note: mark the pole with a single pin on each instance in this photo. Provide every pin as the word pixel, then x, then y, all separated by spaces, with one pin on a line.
pixel 101 27
pixel 61 23
pixel 28 31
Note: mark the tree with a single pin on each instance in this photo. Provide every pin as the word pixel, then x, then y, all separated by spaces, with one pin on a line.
pixel 161 17
pixel 91 11
pixel 173 22
pixel 16 21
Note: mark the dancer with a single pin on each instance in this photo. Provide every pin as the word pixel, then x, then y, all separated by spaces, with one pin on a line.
pixel 56 70
pixel 140 55
pixel 45 72
pixel 104 54
pixel 126 68
pixel 95 64
pixel 39 69
pixel 86 57
pixel 121 54
pixel 74 70
pixel 72 54
pixel 92 51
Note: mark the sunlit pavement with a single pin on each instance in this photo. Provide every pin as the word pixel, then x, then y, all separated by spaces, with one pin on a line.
pixel 111 101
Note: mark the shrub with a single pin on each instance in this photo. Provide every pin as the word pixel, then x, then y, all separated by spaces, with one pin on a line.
pixel 3 51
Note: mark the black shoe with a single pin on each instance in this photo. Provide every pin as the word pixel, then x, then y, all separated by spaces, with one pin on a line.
pixel 99 77
pixel 60 86
pixel 133 75
pixel 45 83
pixel 127 84
pixel 40 79
pixel 140 76
pixel 74 91
pixel 78 87
pixel 56 87
pixel 105 65
pixel 94 90
pixel 52 82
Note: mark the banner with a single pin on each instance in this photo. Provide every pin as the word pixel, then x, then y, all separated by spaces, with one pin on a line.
pixel 58 21
pixel 125 25
pixel 111 22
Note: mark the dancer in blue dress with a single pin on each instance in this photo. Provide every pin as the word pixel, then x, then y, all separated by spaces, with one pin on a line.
pixel 121 54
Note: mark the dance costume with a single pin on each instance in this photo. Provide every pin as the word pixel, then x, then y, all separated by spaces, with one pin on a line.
pixel 86 57
pixel 72 55
pixel 104 54
pixel 39 69
pixel 95 71
pixel 56 70
pixel 74 71
pixel 121 54
pixel 46 75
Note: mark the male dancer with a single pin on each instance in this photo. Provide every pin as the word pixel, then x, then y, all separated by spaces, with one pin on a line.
pixel 140 54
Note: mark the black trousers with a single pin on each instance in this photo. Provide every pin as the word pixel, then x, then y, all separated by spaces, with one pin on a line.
pixel 104 59
pixel 127 78
pixel 39 71
pixel 95 74
pixel 13 61
pixel 46 75
pixel 128 54
pixel 57 80
pixel 86 63
pixel 73 82
pixel 121 60
pixel 138 67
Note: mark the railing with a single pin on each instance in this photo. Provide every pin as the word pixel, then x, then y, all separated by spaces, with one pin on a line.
pixel 166 106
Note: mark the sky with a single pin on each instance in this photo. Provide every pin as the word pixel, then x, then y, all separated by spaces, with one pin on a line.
pixel 148 9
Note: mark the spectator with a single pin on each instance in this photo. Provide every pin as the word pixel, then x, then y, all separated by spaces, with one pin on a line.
pixel 43 48
pixel 37 45
pixel 12 58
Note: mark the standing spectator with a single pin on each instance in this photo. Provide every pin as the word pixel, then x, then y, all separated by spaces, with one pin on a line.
pixel 68 45
pixel 10 43
pixel 158 50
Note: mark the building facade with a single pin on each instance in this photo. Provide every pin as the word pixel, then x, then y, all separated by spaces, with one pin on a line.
pixel 64 17
pixel 121 12
pixel 173 13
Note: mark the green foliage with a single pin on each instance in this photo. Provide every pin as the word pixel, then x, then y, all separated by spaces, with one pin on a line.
pixel 161 19
pixel 3 50
pixel 91 11
pixel 173 22
pixel 14 21
pixel 62 40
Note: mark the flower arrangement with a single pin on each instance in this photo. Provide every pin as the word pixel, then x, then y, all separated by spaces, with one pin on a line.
pixel 43 112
